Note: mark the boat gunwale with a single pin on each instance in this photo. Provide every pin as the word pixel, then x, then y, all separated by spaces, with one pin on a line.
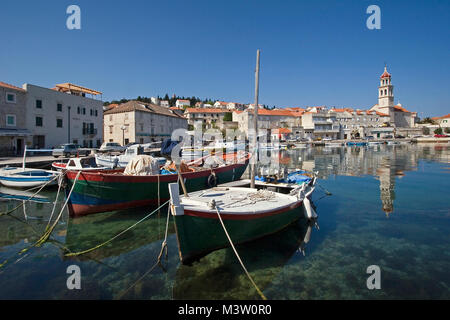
pixel 118 176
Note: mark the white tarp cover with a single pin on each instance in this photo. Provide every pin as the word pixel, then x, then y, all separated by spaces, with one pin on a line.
pixel 142 165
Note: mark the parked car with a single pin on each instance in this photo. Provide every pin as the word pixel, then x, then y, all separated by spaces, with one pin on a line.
pixel 370 138
pixel 441 136
pixel 388 136
pixel 399 136
pixel 111 147
pixel 69 149
pixel 327 139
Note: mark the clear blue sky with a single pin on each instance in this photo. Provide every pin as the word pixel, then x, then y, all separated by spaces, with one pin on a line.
pixel 312 52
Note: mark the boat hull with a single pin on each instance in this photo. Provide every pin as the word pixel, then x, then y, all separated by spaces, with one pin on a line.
pixel 241 228
pixel 17 178
pixel 105 191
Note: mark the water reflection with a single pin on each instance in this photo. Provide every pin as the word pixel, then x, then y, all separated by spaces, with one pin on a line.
pixel 411 247
pixel 220 276
pixel 383 162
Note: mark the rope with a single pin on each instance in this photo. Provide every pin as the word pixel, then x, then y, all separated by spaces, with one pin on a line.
pixel 158 262
pixel 54 205
pixel 31 197
pixel 72 254
pixel 49 231
pixel 239 258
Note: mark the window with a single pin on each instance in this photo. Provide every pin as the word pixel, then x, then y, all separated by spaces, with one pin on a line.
pixel 78 110
pixel 84 110
pixel 39 104
pixel 10 120
pixel 39 121
pixel 59 123
pixel 90 110
pixel 59 107
pixel 75 141
pixel 110 129
pixel 110 118
pixel 10 97
pixel 96 113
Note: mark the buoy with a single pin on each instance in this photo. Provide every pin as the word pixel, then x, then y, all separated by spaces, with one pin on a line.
pixel 309 211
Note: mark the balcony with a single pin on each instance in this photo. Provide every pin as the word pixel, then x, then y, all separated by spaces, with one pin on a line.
pixel 89 131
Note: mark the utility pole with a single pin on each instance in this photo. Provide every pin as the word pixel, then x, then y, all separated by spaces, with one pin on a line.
pixel 255 123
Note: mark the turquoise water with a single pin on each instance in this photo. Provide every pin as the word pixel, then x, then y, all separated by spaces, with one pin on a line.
pixel 389 207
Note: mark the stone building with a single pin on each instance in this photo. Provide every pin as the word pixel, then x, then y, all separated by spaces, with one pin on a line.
pixel 140 122
pixel 13 128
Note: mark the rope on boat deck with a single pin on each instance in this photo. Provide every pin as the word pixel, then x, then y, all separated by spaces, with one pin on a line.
pixel 239 258
pixel 31 197
pixel 72 254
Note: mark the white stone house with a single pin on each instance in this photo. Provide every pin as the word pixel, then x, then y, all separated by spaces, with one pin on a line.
pixel 63 114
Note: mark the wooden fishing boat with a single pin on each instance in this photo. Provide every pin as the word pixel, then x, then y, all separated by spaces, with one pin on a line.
pixel 248 214
pixel 26 177
pixel 108 190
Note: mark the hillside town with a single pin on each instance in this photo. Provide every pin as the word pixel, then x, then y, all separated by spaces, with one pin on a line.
pixel 43 118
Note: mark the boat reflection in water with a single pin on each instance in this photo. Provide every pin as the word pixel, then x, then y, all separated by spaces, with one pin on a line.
pixel 220 276
pixel 89 231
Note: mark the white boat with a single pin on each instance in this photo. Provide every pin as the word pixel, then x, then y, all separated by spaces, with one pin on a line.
pixel 26 178
pixel 248 214
pixel 120 161
pixel 230 146
pixel 333 144
pixel 375 143
pixel 78 164
pixel 393 142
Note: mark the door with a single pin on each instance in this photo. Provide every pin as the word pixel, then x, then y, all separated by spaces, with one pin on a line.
pixel 19 144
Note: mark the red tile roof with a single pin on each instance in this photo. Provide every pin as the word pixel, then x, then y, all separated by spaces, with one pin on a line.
pixel 10 86
pixel 443 117
pixel 205 110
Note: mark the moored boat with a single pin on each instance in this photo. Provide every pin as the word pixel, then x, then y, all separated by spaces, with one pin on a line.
pixel 79 164
pixel 26 177
pixel 357 144
pixel 100 191
pixel 247 213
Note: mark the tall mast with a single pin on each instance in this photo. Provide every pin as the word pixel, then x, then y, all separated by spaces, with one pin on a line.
pixel 255 123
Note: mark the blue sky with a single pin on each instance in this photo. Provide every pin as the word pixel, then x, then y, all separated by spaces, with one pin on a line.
pixel 312 52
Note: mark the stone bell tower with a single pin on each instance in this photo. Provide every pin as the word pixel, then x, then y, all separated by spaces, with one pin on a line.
pixel 386 94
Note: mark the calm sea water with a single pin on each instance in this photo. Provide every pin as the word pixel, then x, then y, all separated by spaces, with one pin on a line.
pixel 389 207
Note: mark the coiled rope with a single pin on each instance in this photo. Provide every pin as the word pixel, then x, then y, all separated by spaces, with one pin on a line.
pixel 239 258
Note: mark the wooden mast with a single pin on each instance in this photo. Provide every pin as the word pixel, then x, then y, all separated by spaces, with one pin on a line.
pixel 255 123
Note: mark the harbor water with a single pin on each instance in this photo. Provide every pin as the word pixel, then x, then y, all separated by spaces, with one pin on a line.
pixel 389 207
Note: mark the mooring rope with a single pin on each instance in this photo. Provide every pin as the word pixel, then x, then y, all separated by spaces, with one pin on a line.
pixel 239 258
pixel 30 198
pixel 158 262
pixel 60 182
pixel 72 254
pixel 49 231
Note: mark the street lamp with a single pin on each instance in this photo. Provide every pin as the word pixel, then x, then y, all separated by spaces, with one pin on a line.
pixel 123 128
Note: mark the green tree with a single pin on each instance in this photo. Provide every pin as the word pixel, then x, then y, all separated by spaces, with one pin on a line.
pixel 438 131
